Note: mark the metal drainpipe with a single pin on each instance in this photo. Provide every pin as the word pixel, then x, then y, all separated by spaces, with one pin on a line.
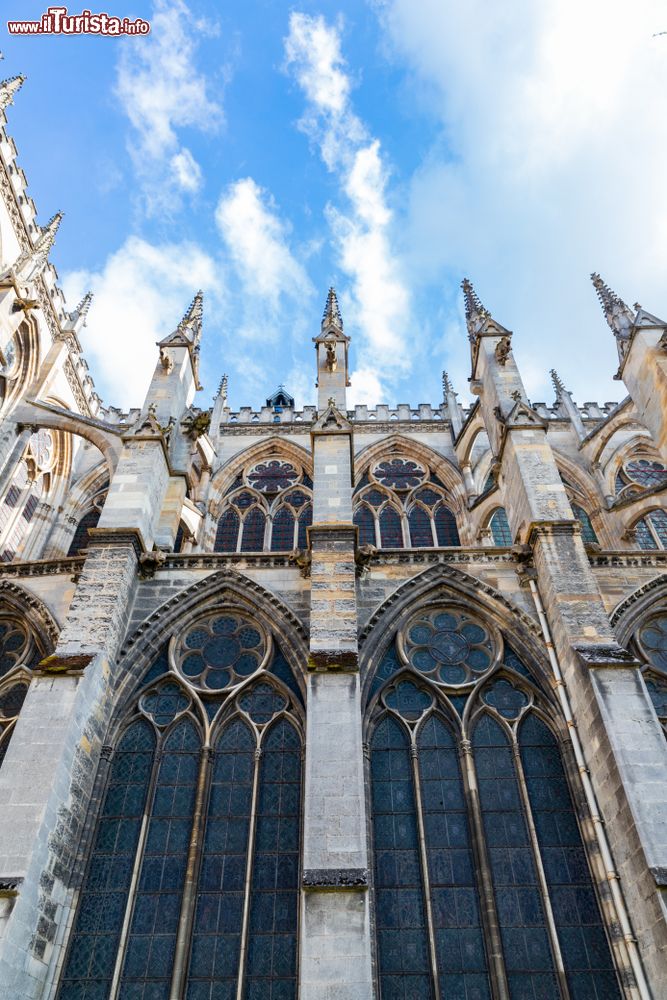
pixel 643 989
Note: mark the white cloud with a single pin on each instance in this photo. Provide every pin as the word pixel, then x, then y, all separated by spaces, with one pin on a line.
pixel 380 304
pixel 257 242
pixel 552 124
pixel 161 91
pixel 139 297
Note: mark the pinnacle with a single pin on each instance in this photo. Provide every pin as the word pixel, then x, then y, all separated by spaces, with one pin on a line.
pixel 8 88
pixel 222 388
pixel 559 386
pixel 193 313
pixel 619 316
pixel 84 305
pixel 332 314
pixel 47 235
pixel 447 386
pixel 473 305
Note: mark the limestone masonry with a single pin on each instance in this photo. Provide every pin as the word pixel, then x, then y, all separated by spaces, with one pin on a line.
pixel 337 703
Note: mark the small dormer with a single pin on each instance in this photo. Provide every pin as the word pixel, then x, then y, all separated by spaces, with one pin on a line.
pixel 280 400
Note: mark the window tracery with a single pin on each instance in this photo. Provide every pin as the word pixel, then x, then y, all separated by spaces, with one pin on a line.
pixel 639 473
pixel 233 744
pixel 272 516
pixel 480 871
pixel 403 506
pixel 500 528
pixel 29 484
pixel 18 655
pixel 651 641
pixel 651 530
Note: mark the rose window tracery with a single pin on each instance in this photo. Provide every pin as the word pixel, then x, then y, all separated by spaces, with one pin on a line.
pixel 13 644
pixel 399 473
pixel 273 476
pixel 449 646
pixel 221 651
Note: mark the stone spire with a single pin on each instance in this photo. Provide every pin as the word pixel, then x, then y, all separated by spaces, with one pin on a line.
pixel 476 314
pixel 8 88
pixel 190 325
pixel 449 398
pixel 332 314
pixel 619 316
pixel 447 386
pixel 77 319
pixel 31 263
pixel 222 389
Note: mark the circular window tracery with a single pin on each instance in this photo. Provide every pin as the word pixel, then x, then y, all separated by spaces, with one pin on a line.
pixel 646 472
pixel 399 473
pixel 221 651
pixel 448 645
pixel 273 476
pixel 653 640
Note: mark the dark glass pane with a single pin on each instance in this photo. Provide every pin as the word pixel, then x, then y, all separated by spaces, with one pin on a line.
pixel 658 519
pixel 216 936
pixel 646 472
pixel 461 958
pixel 365 521
pixel 271 966
pixel 421 535
pixel 587 529
pixel 13 642
pixel 282 534
pixel 500 529
pixel 11 701
pixel 402 940
pixel 272 476
pixel 391 534
pixel 445 527
pixel 653 638
pixel 645 539
pixel 92 954
pixel 80 538
pixel 157 903
pixel 178 541
pixel 253 531
pixel 525 941
pixel 226 537
pixel 586 955
pixel 387 668
pixel 305 520
pixel 281 668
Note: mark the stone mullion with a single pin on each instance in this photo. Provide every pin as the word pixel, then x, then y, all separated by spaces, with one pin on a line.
pixel 250 861
pixel 426 878
pixel 189 899
pixel 490 924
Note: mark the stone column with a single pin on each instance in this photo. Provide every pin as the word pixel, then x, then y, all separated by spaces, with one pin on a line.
pixel 624 745
pixel 335 926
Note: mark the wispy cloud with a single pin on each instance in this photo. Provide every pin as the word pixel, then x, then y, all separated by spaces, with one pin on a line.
pixel 362 229
pixel 548 162
pixel 162 91
pixel 139 297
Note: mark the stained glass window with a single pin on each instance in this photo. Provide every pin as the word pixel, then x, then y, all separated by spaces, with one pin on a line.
pixel 646 472
pixel 13 644
pixel 282 531
pixel 220 650
pixel 252 539
pixel 652 640
pixel 651 531
pixel 445 527
pixel 399 473
pixel 305 520
pixel 587 529
pixel 272 476
pixel 402 936
pixel 523 927
pixel 421 535
pixel 581 934
pixel 364 520
pixel 227 534
pixel 104 895
pixel 391 533
pixel 500 529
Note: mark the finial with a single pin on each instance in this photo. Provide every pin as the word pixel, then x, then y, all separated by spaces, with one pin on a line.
pixel 475 311
pixel 619 316
pixel 222 388
pixel 332 314
pixel 190 325
pixel 447 386
pixel 559 387
pixel 32 262
pixel 8 88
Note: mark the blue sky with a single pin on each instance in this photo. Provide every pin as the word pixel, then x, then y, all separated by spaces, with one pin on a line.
pixel 391 148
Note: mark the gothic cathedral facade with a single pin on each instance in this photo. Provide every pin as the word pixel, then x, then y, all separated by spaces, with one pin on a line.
pixel 337 703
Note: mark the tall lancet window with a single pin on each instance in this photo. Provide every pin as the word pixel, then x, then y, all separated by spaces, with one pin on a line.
pixel 191 887
pixel 482 886
pixel 268 508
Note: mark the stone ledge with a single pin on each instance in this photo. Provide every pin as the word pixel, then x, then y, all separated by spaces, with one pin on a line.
pixel 659 873
pixel 334 660
pixel 332 879
pixel 605 655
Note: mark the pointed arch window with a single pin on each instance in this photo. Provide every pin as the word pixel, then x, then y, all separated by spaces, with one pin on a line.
pixel 81 534
pixel 482 883
pixel 587 530
pixel 364 519
pixel 651 530
pixel 290 519
pixel 651 641
pixel 19 653
pixel 500 528
pixel 391 531
pixel 172 807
